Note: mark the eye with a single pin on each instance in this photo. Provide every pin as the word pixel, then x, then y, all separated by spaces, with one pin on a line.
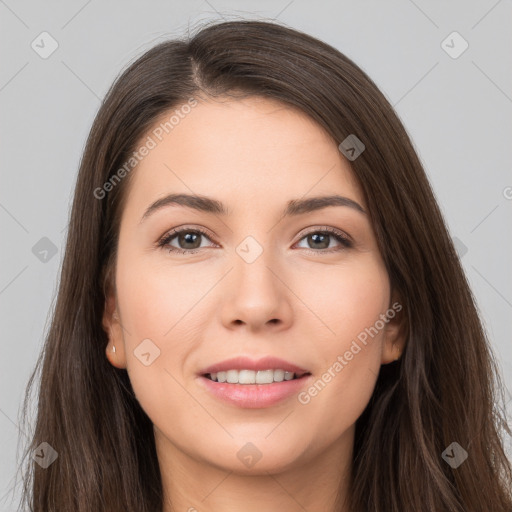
pixel 320 239
pixel 188 240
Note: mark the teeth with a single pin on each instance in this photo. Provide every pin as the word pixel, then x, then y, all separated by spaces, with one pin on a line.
pixel 232 376
pixel 251 377
pixel 279 375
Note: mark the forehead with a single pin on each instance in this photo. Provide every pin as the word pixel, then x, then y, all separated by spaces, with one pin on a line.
pixel 241 150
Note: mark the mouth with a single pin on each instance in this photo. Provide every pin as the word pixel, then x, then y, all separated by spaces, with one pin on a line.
pixel 254 384
pixel 248 377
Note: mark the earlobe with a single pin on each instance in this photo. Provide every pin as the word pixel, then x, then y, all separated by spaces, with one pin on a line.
pixel 115 348
pixel 115 356
pixel 391 352
pixel 112 326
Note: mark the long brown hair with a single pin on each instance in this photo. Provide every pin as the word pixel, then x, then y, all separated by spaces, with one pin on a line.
pixel 444 389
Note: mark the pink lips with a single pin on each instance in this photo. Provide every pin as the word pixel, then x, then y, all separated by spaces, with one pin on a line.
pixel 254 396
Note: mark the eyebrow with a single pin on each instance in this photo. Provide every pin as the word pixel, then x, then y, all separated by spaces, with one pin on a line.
pixel 213 206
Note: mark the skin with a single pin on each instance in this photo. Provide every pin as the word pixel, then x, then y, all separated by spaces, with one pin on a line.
pixel 298 302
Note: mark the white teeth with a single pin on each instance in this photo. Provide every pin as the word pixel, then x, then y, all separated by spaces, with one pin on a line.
pixel 246 377
pixel 265 377
pixel 232 376
pixel 278 375
pixel 251 376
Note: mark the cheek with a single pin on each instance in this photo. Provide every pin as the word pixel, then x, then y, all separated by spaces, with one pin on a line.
pixel 343 301
pixel 349 348
pixel 162 316
pixel 160 298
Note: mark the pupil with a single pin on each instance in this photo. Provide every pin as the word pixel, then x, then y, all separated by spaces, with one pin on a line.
pixel 315 238
pixel 186 238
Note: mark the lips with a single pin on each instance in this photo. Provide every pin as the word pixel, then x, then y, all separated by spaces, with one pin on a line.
pixel 230 381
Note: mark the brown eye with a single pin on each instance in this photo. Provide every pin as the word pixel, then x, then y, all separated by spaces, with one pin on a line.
pixel 187 240
pixel 320 240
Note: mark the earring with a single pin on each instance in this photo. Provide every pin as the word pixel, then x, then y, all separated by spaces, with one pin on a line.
pixel 113 348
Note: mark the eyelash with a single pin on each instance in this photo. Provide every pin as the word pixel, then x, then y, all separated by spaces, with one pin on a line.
pixel 338 235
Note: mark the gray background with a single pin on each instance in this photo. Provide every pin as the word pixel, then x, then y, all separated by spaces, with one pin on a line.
pixel 457 110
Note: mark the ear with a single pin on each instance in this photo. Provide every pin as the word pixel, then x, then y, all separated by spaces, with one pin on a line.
pixel 114 329
pixel 395 332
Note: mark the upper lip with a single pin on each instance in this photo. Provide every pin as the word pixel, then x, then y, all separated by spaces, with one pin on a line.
pixel 245 363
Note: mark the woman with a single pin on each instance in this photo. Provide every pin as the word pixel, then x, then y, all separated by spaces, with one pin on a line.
pixel 260 307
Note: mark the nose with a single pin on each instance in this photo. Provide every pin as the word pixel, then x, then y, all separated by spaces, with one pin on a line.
pixel 255 295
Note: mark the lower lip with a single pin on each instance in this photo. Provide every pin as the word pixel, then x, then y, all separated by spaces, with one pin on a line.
pixel 254 396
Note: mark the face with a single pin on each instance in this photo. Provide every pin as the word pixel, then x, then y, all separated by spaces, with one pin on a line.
pixel 308 289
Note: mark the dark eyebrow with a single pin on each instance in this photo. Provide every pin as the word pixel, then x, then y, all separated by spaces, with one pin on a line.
pixel 210 205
